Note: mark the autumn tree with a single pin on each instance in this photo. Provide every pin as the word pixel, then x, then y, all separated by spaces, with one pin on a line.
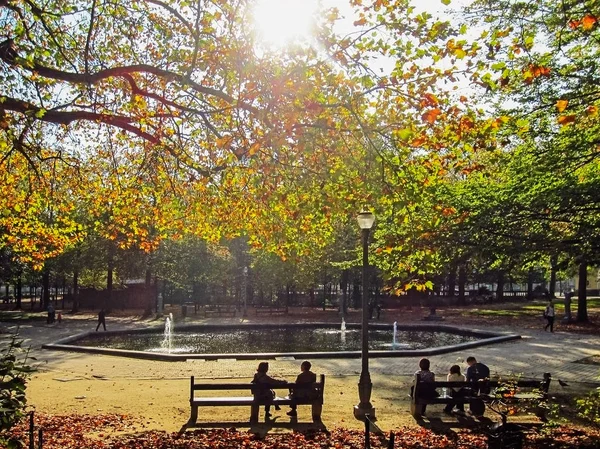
pixel 538 61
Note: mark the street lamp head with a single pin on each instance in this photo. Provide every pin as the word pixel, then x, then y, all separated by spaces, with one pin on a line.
pixel 365 219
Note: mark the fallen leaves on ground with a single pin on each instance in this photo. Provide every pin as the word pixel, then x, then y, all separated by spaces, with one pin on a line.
pixel 109 432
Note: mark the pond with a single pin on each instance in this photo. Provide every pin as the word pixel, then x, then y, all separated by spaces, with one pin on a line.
pixel 265 339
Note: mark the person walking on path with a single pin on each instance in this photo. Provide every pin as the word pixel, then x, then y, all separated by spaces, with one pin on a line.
pixel 549 315
pixel 306 377
pixel 101 320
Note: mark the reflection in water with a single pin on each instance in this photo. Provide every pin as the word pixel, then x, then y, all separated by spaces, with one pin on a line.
pixel 279 339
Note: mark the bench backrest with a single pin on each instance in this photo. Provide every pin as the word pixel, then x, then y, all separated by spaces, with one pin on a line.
pixel 484 385
pixel 316 387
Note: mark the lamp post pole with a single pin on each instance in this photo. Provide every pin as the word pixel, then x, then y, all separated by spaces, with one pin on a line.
pixel 245 291
pixel 365 386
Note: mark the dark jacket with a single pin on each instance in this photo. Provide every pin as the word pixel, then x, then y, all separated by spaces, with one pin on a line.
pixel 266 380
pixel 304 378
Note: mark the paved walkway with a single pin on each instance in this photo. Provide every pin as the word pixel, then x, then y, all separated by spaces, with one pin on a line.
pixel 536 353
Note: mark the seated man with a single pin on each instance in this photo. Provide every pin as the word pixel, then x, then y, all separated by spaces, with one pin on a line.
pixel 477 372
pixel 306 377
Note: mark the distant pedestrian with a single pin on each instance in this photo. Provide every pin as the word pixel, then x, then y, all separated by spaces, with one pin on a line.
pixel 101 319
pixel 549 315
pixel 51 314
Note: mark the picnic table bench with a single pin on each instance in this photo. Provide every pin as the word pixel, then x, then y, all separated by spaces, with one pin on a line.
pixel 271 309
pixel 219 309
pixel 478 394
pixel 254 399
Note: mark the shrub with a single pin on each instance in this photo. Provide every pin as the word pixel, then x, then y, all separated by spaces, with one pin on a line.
pixel 14 373
pixel 588 407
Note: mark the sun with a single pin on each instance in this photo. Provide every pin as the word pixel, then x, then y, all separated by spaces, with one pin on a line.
pixel 280 23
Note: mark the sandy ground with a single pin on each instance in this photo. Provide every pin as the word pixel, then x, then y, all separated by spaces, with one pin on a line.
pixel 162 403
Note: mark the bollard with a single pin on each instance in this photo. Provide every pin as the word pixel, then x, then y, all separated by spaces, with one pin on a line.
pixel 367 433
pixel 391 441
pixel 31 439
pixel 40 439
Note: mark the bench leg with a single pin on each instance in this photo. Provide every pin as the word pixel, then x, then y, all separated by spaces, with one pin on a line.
pixel 317 409
pixel 254 413
pixel 416 410
pixel 193 416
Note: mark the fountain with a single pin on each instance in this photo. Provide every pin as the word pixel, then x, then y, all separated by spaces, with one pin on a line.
pixel 264 341
pixel 343 328
pixel 167 342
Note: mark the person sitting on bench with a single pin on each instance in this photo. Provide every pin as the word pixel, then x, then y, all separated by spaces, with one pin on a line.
pixel 266 394
pixel 306 377
pixel 477 372
pixel 455 376
pixel 425 376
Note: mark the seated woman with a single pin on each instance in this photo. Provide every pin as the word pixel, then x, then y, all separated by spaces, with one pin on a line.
pixel 455 376
pixel 261 377
pixel 425 376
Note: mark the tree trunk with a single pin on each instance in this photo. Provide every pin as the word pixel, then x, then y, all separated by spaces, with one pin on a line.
pixel 582 315
pixel 75 290
pixel 149 295
pixel 19 292
pixel 530 285
pixel 500 287
pixel 109 288
pixel 45 289
pixel 451 282
pixel 552 286
pixel 462 280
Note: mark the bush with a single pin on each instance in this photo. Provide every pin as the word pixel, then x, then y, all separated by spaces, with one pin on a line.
pixel 14 373
pixel 588 407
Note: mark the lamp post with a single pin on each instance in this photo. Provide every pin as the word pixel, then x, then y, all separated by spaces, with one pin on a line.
pixel 365 221
pixel 245 290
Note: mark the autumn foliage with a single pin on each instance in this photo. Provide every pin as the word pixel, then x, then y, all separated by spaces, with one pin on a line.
pixel 114 431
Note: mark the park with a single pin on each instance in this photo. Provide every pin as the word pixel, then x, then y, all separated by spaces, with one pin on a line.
pixel 327 223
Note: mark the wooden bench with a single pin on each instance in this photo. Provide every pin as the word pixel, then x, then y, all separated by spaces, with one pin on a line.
pixel 219 309
pixel 478 394
pixel 271 310
pixel 253 400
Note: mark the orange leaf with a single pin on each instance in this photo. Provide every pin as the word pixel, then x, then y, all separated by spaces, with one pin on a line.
pixel 566 119
pixel 588 22
pixel 592 110
pixel 431 115
pixel 561 105
pixel 418 141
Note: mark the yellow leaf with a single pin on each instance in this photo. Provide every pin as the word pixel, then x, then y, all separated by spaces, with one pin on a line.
pixel 561 105
pixel 253 149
